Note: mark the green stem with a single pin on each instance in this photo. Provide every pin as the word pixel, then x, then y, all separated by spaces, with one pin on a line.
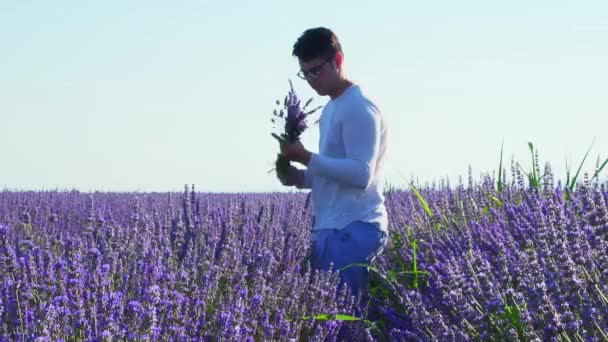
pixel 415 263
pixel 95 317
pixel 601 331
pixel 19 305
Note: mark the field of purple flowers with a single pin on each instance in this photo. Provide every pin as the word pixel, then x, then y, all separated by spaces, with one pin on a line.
pixel 464 262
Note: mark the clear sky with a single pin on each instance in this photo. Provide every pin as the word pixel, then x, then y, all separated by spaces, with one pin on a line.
pixel 152 95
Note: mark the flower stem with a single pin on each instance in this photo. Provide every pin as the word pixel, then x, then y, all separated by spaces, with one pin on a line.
pixel 19 306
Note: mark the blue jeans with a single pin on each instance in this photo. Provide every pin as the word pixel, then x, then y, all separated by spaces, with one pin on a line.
pixel 359 242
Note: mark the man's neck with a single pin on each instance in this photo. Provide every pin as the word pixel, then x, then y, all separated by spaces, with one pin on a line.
pixel 344 84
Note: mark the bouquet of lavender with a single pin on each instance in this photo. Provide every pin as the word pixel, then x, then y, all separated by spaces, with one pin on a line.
pixel 295 123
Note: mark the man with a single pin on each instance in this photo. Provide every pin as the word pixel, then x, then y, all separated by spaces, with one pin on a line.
pixel 346 177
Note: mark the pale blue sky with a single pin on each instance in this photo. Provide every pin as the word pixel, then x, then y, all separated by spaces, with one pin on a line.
pixel 152 95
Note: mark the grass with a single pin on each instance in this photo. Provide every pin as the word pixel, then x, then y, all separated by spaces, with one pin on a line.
pixel 425 206
pixel 570 184
pixel 535 180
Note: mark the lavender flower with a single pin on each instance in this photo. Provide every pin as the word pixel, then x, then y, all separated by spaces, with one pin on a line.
pixel 295 123
pixel 533 268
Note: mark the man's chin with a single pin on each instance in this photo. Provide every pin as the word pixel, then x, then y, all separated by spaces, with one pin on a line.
pixel 319 92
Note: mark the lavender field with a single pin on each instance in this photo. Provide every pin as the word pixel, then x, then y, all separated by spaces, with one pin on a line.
pixel 525 262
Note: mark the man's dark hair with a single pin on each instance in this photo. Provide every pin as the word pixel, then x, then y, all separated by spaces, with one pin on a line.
pixel 318 42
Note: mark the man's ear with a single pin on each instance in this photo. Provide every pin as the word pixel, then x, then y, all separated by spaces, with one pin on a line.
pixel 339 60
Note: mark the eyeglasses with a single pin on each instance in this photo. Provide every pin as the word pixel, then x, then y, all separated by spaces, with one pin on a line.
pixel 313 72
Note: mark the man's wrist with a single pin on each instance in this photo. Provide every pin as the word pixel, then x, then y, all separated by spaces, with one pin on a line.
pixel 306 158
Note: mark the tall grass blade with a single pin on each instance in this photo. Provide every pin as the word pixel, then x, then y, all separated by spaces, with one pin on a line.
pixel 422 201
pixel 597 172
pixel 415 263
pixel 579 167
pixel 338 317
pixel 425 205
pixel 534 178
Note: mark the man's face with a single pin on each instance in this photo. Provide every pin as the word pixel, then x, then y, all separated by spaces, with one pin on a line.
pixel 320 73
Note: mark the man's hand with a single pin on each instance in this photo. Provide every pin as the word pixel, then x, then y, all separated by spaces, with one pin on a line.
pixel 294 151
pixel 293 177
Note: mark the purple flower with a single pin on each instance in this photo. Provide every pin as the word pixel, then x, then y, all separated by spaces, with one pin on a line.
pixel 534 268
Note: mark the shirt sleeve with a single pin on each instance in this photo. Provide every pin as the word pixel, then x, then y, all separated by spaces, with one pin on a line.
pixel 302 179
pixel 361 130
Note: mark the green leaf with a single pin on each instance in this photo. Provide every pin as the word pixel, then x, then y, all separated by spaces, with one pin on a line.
pixel 397 243
pixel 493 198
pixel 513 314
pixel 496 200
pixel 278 138
pixel 313 110
pixel 307 103
pixel 382 276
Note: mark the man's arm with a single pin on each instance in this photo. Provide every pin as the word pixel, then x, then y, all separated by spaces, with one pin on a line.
pixel 361 130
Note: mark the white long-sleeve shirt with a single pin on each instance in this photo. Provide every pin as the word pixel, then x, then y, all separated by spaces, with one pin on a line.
pixel 346 177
